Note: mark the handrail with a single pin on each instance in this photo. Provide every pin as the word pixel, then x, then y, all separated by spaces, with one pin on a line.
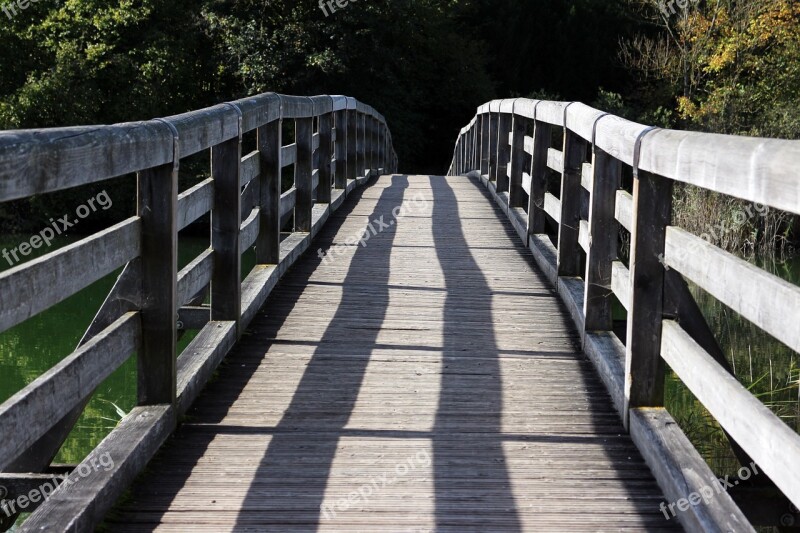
pixel 339 143
pixel 664 324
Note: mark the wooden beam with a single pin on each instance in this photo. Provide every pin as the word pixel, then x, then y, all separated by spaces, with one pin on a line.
pixel 268 244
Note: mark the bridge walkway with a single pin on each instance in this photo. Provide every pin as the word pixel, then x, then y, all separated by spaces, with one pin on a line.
pixel 427 379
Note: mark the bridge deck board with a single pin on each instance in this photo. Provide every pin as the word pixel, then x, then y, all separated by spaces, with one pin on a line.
pixel 438 346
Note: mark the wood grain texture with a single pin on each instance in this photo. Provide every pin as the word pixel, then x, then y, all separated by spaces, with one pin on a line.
pixel 403 360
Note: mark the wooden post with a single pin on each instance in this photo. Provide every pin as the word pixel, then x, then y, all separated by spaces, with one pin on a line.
pixel 324 159
pixel 568 248
pixel 226 217
pixel 304 137
pixel 268 243
pixel 484 145
pixel 340 150
pixel 352 139
pixel 603 232
pixel 541 143
pixel 361 145
pixel 157 205
pixel 503 156
pixel 516 194
pixel 644 367
pixel 494 130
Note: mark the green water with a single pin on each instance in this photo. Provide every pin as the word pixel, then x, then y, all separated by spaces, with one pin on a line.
pixel 766 367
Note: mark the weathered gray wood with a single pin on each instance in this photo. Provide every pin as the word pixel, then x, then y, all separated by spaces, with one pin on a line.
pixel 624 209
pixel 555 160
pixel 32 287
pixel 289 155
pixel 324 153
pixel 352 148
pixel 516 192
pixel 302 175
pixel 249 230
pixel 39 161
pixel 587 176
pixel 569 263
pixel 157 205
pixel 603 231
pixel 340 150
pixel 225 229
pixel 773 445
pixel 200 359
pixel 31 412
pixel 268 241
pixel 681 471
pixel 193 317
pixel 503 156
pixel 484 144
pixel 758 170
pixel 494 132
pixel 541 144
pixel 251 167
pixel 644 368
pixel 621 283
pixel 195 276
pixel 195 202
pixel 552 206
pixel 202 129
pixel 83 504
pixel 762 298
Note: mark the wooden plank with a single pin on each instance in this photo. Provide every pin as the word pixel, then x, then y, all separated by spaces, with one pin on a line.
pixel 621 283
pixel 268 243
pixel 773 445
pixel 200 130
pixel 583 236
pixel 484 144
pixel 157 205
pixel 40 161
pixel 623 209
pixel 195 202
pixel 200 359
pixel 602 239
pixel 555 160
pixel 31 412
pixel 352 149
pixel 82 505
pixel 762 298
pixel 32 287
pixel 259 110
pixel 681 472
pixel 526 182
pixel 249 230
pixel 587 176
pixel 644 368
pixel 288 155
pixel 195 276
pixel 226 220
pixel 302 176
pixel 494 132
pixel 251 167
pixel 552 206
pixel 758 170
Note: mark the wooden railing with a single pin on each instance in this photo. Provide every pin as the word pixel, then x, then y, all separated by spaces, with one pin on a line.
pixel 557 169
pixel 338 144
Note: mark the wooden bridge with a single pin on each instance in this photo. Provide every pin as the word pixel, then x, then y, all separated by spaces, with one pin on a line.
pixel 410 353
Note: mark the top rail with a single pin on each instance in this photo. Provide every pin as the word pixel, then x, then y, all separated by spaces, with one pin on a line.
pixel 573 235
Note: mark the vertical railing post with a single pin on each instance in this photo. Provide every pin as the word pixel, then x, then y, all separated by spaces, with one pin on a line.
pixel 484 144
pixel 303 168
pixel 516 194
pixel 603 234
pixel 226 218
pixel 324 158
pixel 361 145
pixel 340 149
pixel 352 143
pixel 268 243
pixel 157 205
pixel 541 143
pixel 494 131
pixel 503 156
pixel 652 213
pixel 574 151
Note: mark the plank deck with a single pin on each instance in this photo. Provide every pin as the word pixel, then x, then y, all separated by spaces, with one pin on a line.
pixel 430 380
